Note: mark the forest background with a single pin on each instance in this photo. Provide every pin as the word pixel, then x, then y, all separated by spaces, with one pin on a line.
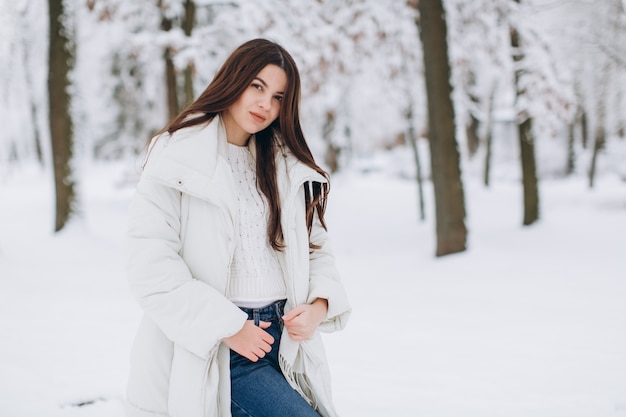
pixel 133 64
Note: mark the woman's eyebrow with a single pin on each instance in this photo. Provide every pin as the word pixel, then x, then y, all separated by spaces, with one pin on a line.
pixel 265 84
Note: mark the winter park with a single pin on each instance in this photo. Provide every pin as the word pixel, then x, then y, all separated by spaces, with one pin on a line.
pixel 477 205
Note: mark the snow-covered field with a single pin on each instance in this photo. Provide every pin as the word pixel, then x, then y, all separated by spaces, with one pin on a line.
pixel 529 322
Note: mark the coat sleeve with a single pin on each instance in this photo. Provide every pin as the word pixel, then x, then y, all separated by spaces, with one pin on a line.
pixel 324 281
pixel 190 312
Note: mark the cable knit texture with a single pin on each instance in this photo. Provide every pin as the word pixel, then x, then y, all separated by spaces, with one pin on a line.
pixel 256 276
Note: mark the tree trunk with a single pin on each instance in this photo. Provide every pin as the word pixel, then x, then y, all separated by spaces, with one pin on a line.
pixel 489 136
pixel 599 141
pixel 170 85
pixel 529 172
pixel 471 131
pixel 472 125
pixel 332 151
pixel 597 147
pixel 584 129
pixel 621 122
pixel 188 24
pixel 170 71
pixel 61 129
pixel 488 146
pixel 570 163
pixel 412 137
pixel 526 140
pixel 446 172
pixel 602 88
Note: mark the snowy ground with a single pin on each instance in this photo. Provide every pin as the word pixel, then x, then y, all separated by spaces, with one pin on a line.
pixel 529 322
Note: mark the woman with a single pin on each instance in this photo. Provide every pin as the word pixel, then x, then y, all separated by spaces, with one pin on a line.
pixel 228 255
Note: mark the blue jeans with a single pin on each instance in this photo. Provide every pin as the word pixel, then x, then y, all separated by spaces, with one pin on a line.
pixel 259 389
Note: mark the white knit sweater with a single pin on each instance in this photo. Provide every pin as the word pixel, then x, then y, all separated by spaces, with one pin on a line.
pixel 256 277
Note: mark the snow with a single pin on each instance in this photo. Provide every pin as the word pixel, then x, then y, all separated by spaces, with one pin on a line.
pixel 529 321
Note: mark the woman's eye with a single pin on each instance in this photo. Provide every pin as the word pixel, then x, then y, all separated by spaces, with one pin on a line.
pixel 278 98
pixel 257 86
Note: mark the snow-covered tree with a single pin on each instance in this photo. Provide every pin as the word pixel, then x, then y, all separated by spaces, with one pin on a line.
pixel 351 55
pixel 60 63
pixel 444 160
pixel 23 90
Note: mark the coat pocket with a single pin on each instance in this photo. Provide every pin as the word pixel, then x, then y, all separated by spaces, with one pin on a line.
pixel 193 379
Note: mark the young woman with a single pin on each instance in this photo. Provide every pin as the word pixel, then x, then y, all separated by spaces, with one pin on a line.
pixel 228 254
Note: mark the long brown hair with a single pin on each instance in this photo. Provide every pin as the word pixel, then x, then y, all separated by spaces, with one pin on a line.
pixel 229 83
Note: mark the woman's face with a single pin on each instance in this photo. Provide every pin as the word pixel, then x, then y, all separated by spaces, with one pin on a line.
pixel 257 107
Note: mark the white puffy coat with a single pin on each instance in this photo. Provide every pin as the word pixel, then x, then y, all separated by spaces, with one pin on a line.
pixel 181 239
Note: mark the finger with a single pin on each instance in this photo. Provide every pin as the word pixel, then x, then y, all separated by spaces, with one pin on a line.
pixel 260 353
pixel 296 322
pixel 293 313
pixel 266 348
pixel 264 335
pixel 264 324
pixel 268 338
pixel 292 326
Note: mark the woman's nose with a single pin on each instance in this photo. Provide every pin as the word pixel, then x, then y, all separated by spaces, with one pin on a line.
pixel 265 103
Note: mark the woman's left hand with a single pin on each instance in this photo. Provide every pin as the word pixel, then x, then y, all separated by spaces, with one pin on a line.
pixel 302 321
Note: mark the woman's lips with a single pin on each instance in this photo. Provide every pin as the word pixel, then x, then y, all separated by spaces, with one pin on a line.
pixel 258 117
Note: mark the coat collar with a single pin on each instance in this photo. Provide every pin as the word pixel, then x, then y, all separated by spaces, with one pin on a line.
pixel 194 161
pixel 197 148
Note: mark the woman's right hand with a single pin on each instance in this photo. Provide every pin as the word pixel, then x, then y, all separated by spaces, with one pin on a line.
pixel 251 342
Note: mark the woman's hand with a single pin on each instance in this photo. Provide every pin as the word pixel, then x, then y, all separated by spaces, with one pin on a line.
pixel 302 321
pixel 251 341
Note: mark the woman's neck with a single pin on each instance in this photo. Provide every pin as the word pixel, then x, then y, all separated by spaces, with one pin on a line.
pixel 234 134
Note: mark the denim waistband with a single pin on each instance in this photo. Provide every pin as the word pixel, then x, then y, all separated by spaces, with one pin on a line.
pixel 270 312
